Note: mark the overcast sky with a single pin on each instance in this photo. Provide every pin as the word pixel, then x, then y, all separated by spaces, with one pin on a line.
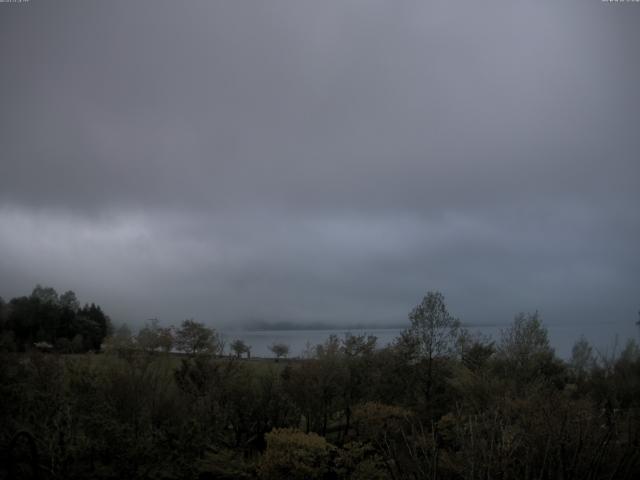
pixel 325 161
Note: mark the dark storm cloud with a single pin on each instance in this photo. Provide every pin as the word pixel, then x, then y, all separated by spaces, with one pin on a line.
pixel 323 160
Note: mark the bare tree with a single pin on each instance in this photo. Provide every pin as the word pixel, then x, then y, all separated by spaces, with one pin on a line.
pixel 153 338
pixel 582 359
pixel 525 338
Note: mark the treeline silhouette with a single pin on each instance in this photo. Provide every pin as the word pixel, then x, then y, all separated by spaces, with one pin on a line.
pixel 438 403
pixel 50 321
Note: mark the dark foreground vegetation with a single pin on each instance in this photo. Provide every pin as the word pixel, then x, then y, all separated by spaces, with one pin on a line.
pixel 437 403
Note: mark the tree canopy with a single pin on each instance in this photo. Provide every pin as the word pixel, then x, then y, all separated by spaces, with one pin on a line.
pixel 279 349
pixel 195 338
pixel 433 328
pixel 59 320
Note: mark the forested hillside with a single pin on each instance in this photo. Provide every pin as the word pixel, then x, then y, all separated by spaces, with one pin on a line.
pixel 437 403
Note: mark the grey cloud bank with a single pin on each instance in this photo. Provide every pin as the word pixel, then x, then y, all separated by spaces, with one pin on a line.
pixel 323 161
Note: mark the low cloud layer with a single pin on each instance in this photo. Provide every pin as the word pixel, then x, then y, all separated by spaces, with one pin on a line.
pixel 323 162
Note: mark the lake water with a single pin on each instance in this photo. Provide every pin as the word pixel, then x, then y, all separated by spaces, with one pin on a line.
pixel 562 337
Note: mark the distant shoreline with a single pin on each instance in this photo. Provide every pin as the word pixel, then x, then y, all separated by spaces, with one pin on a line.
pixel 322 327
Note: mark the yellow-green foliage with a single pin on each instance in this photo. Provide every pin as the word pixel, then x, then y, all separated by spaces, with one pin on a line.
pixel 375 420
pixel 359 461
pixel 293 454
